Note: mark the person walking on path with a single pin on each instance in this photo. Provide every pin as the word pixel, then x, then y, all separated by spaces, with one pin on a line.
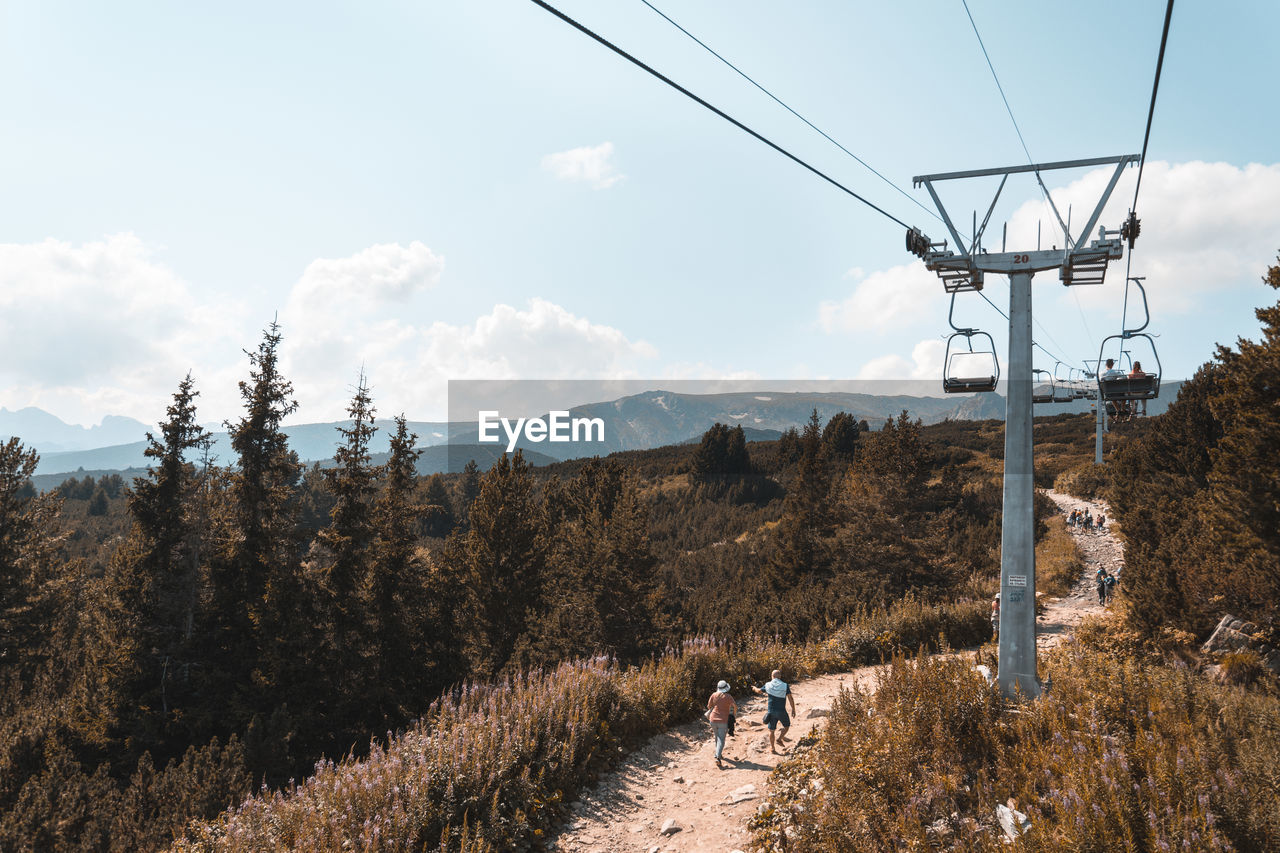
pixel 1102 586
pixel 779 693
pixel 720 707
pixel 995 617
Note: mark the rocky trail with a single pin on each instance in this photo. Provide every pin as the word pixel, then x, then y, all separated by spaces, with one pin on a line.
pixel 669 797
pixel 1098 549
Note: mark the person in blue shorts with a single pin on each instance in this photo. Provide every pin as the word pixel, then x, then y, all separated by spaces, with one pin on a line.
pixel 779 693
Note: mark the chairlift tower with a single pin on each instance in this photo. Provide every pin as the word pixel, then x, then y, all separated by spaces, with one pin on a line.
pixel 1078 262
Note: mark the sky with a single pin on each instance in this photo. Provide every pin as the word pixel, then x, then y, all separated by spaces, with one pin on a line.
pixel 436 190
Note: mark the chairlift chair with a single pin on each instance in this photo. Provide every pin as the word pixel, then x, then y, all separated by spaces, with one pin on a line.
pixel 1062 392
pixel 1038 395
pixel 969 370
pixel 1126 388
pixel 1079 385
pixel 1123 388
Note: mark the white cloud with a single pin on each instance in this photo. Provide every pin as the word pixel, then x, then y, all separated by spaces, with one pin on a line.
pixel 885 298
pixel 366 310
pixel 1206 227
pixel 382 273
pixel 593 165
pixel 100 327
pixel 542 341
pixel 925 363
pixel 106 328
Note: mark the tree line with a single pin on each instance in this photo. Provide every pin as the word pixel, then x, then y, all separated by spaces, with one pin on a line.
pixel 249 618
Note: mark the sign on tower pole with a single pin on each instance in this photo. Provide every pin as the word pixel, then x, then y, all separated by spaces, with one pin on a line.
pixel 964 269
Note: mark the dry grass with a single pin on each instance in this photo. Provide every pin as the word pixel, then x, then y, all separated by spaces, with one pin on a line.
pixel 1127 753
pixel 489 767
pixel 1059 564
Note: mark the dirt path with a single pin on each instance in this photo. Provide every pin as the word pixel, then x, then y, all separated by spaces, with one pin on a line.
pixel 674 777
pixel 1098 549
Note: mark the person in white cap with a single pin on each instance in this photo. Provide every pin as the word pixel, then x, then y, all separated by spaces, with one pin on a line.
pixel 995 617
pixel 719 708
pixel 779 693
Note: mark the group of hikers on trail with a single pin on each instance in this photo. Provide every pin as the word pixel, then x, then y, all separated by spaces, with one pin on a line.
pixel 722 713
pixel 1084 519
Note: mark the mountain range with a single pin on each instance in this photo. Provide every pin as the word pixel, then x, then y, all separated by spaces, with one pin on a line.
pixel 634 422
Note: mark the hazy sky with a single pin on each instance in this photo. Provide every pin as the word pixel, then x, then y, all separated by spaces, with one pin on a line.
pixel 440 190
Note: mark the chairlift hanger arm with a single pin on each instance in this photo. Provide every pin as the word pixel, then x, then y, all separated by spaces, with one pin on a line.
pixel 1146 309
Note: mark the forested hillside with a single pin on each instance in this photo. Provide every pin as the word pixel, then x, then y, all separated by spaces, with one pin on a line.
pixel 171 643
pixel 1148 740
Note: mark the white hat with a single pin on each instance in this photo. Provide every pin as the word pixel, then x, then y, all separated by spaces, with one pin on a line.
pixel 723 687
pixel 997 595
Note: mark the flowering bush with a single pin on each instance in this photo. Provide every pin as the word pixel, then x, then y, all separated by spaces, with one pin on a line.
pixel 490 766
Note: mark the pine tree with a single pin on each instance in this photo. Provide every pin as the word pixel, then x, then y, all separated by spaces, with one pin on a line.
pixel 156 574
pixel 349 535
pixel 258 602
pixel 24 546
pixel 601 591
pixel 437 510
pixel 501 560
pixel 468 491
pixel 393 589
pixel 98 503
pixel 806 517
pixel 840 437
pixel 721 453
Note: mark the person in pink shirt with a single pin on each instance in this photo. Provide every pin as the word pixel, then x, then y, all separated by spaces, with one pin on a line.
pixel 719 708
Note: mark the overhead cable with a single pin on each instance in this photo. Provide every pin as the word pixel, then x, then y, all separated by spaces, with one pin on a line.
pixel 786 107
pixel 681 89
pixel 1009 110
pixel 1151 110
pixel 1030 160
pixel 1142 161
pixel 1036 344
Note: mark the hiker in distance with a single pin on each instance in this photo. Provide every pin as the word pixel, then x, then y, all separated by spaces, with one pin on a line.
pixel 779 693
pixel 720 708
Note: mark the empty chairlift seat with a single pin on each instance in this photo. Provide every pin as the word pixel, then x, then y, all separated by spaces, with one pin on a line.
pixel 970 370
pixel 1041 386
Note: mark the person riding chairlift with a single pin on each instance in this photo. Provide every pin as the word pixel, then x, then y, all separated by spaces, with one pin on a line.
pixel 1121 407
pixel 1137 373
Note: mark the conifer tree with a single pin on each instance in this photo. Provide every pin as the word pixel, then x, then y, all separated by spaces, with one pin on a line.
pixel 437 510
pixel 501 561
pixel 468 491
pixel 721 453
pixel 24 546
pixel 1242 518
pixel 806 516
pixel 601 593
pixel 156 574
pixel 840 437
pixel 349 534
pixel 258 600
pixel 394 592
